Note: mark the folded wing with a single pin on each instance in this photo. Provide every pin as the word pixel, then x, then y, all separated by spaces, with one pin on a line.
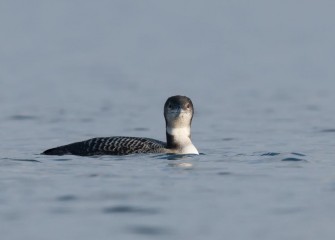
pixel 109 146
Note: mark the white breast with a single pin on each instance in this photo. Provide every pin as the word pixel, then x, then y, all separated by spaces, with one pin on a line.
pixel 189 149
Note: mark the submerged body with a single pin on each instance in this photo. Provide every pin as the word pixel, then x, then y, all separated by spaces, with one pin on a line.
pixel 178 113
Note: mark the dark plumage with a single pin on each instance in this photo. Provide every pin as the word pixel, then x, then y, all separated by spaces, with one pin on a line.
pixel 110 146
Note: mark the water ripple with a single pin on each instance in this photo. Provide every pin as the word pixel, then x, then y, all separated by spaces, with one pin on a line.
pixel 270 154
pixel 224 173
pixel 174 156
pixel 22 117
pixel 66 198
pixel 330 130
pixel 129 209
pixel 61 159
pixel 149 230
pixel 298 154
pixel 22 160
pixel 292 159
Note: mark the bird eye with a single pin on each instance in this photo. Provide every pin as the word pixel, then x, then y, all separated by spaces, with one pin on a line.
pixel 170 106
pixel 188 106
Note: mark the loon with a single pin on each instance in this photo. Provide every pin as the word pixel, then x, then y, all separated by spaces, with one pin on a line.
pixel 178 114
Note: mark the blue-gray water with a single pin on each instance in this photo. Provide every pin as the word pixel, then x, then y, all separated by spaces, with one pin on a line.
pixel 262 78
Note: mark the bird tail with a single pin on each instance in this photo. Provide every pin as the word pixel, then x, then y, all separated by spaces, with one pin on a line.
pixel 56 151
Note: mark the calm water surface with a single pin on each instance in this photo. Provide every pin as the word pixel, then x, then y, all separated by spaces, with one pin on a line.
pixel 263 89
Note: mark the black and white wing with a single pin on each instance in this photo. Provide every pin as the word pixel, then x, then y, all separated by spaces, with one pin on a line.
pixel 109 146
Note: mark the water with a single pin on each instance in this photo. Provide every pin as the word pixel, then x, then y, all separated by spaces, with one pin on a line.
pixel 261 77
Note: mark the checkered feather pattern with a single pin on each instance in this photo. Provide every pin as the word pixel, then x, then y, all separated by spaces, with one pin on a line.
pixel 110 146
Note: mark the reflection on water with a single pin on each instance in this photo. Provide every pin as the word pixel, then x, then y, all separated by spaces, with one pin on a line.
pixel 175 156
pixel 182 161
pixel 186 165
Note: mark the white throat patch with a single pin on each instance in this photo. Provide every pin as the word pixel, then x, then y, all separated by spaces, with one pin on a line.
pixel 181 136
pixel 179 133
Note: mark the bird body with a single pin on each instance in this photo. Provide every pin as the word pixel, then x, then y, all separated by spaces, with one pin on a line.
pixel 178 113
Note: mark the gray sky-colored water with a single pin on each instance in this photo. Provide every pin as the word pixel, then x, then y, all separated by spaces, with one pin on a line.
pixel 164 46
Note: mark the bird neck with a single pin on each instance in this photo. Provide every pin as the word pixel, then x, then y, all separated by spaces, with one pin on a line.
pixel 178 137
